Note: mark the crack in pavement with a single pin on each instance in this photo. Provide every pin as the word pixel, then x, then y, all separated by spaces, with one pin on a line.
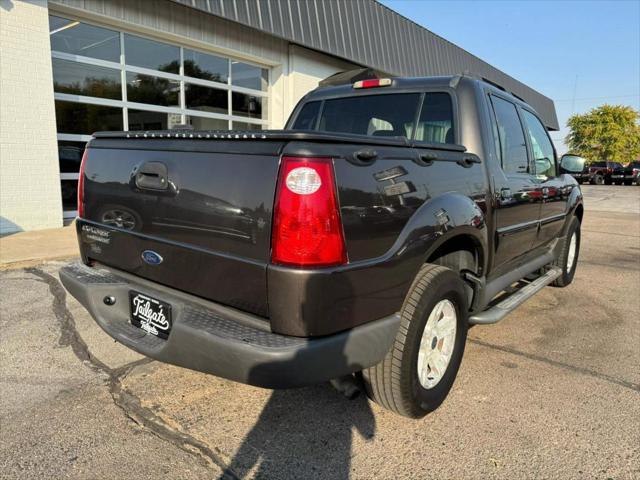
pixel 555 363
pixel 124 399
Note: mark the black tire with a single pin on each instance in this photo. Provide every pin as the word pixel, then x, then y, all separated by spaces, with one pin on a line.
pixel 394 382
pixel 598 179
pixel 562 261
pixel 628 182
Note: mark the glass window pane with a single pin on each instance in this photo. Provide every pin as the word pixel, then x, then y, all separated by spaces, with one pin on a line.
pixel 206 99
pixel 513 149
pixel 71 36
pixel 69 194
pixel 246 126
pixel 542 148
pixel 83 79
pixel 70 156
pixel 201 123
pixel 153 90
pixel 249 105
pixel 376 115
pixel 85 119
pixel 145 53
pixel 249 76
pixel 436 119
pixel 142 120
pixel 307 117
pixel 207 67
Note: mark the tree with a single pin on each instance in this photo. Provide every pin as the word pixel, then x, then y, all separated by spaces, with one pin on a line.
pixel 608 132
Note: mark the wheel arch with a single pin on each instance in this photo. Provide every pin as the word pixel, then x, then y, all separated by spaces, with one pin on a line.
pixel 579 212
pixel 451 218
pixel 445 253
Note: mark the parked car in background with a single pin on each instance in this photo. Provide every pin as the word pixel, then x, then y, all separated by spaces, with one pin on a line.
pixel 600 172
pixel 582 176
pixel 627 175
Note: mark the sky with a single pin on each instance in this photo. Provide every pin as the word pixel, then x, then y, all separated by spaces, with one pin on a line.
pixel 581 54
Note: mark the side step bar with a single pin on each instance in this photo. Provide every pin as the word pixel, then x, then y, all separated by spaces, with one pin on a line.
pixel 508 305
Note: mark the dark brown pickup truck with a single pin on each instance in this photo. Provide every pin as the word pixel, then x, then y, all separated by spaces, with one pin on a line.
pixel 360 241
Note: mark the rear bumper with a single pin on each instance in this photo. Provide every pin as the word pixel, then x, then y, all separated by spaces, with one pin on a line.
pixel 215 339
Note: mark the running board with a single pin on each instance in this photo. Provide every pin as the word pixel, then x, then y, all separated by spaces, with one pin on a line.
pixel 502 309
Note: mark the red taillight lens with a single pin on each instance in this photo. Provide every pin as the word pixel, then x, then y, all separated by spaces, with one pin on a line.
pixel 81 185
pixel 307 230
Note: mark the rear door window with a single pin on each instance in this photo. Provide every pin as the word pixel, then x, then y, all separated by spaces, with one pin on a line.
pixel 512 145
pixel 541 146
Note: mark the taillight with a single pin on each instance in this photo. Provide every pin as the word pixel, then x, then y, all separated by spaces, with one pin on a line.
pixel 81 185
pixel 307 230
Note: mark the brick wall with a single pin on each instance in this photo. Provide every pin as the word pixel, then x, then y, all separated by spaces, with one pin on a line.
pixel 29 173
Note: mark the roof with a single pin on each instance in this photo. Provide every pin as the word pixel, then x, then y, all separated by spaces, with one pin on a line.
pixel 350 30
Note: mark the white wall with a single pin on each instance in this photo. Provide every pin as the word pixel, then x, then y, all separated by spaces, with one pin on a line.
pixel 305 70
pixel 29 172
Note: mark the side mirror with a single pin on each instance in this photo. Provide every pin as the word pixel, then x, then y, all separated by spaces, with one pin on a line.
pixel 543 165
pixel 572 163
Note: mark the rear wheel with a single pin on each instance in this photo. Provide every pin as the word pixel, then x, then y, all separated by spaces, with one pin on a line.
pixel 598 179
pixel 568 258
pixel 419 370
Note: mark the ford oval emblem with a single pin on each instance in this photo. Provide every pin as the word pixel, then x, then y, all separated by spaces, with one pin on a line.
pixel 151 257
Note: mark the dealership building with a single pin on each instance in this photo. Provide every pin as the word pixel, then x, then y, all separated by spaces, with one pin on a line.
pixel 72 67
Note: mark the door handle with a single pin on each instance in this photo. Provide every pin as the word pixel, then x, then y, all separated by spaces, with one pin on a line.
pixel 151 176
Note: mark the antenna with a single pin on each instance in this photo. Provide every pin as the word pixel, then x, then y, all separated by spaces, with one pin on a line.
pixel 573 99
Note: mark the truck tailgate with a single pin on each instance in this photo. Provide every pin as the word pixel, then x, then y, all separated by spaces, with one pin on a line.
pixel 201 212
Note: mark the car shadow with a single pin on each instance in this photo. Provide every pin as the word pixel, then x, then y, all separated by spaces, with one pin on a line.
pixel 303 433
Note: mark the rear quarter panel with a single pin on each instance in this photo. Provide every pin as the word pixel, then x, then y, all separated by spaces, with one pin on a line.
pixel 391 225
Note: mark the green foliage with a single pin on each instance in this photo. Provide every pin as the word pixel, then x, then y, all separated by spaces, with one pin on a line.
pixel 608 132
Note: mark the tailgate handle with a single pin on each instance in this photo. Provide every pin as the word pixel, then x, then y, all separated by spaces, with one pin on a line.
pixel 151 176
pixel 366 156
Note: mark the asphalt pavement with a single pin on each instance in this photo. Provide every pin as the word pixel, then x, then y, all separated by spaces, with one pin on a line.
pixel 553 391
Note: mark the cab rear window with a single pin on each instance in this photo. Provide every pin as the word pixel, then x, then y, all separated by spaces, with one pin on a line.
pixel 388 115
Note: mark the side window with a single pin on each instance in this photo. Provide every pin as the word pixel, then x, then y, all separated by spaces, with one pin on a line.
pixel 543 155
pixel 436 119
pixel 513 149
